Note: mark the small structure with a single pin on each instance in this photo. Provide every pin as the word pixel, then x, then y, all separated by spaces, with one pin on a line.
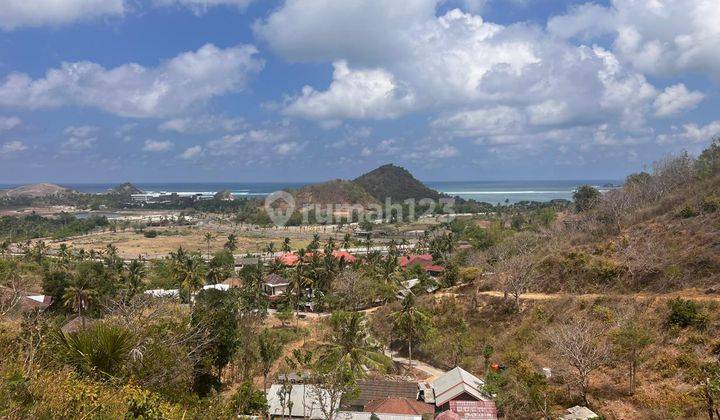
pixel 302 402
pixel 220 286
pixel 474 410
pixel 233 282
pixel 344 256
pixel 378 389
pixel 35 302
pixel 423 260
pixel 241 262
pixel 579 413
pixel 409 285
pixel 163 293
pixel 365 415
pixel 289 259
pixel 457 385
pixel 275 284
pixel 396 405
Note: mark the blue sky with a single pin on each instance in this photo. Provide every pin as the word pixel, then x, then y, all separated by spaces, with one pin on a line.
pixel 298 90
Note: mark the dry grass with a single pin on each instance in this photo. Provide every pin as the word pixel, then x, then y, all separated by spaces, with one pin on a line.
pixel 131 244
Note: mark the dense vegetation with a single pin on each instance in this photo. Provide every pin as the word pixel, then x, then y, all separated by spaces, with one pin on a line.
pixel 20 228
pixel 607 328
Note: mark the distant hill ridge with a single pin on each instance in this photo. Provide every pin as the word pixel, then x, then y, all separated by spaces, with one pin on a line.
pixel 387 181
pixel 37 191
pixel 125 189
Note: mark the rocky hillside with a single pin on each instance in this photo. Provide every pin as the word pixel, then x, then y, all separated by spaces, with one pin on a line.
pixel 37 191
pixel 125 189
pixel 396 183
pixel 334 192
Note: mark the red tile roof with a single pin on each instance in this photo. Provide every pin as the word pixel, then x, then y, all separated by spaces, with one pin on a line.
pixel 408 260
pixel 344 255
pixel 289 258
pixel 395 405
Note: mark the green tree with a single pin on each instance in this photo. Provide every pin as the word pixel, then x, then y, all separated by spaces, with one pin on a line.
pixel 631 342
pixel 208 239
pixel 79 296
pixel 231 243
pixel 350 346
pixel 135 275
pixel 216 312
pixel 270 350
pixel 249 401
pixel 410 323
pixel 708 163
pixel 586 197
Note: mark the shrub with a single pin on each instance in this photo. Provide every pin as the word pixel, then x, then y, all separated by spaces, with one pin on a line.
pixel 686 212
pixel 468 274
pixel 686 313
pixel 711 204
pixel 150 233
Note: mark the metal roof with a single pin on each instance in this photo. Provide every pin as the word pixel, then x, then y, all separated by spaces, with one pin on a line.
pixel 455 382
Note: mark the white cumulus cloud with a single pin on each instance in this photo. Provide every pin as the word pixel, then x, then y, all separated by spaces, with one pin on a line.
pixel 8 123
pixel 18 13
pixel 131 90
pixel 158 145
pixel 192 152
pixel 655 36
pixel 676 99
pixel 12 147
pixel 360 93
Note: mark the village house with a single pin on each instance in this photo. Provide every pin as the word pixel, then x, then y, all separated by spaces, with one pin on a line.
pixel 423 260
pixel 457 385
pixel 301 402
pixel 275 285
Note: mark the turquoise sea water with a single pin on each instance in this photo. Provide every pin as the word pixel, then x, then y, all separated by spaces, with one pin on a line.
pixel 486 191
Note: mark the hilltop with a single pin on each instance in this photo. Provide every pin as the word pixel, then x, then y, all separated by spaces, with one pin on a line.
pixel 125 189
pixel 387 181
pixel 396 183
pixel 37 191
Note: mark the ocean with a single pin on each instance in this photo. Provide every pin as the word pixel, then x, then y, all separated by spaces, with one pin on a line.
pixel 486 191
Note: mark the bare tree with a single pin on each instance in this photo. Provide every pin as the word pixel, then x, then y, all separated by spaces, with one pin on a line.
pixel 12 287
pixel 518 274
pixel 579 342
pixel 328 390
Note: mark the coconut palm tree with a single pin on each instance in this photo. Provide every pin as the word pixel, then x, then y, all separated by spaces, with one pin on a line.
pixel 79 296
pixel 231 243
pixel 350 346
pixel 270 248
pixel 208 238
pixel 135 275
pixel 189 272
pixel 286 245
pixel 411 323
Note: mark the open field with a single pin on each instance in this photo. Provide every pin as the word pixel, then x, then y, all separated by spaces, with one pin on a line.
pixel 130 244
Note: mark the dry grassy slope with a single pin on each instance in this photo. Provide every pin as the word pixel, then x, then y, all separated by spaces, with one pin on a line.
pixel 657 250
pixel 668 380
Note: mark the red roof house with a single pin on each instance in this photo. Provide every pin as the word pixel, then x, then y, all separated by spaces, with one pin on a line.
pixel 395 405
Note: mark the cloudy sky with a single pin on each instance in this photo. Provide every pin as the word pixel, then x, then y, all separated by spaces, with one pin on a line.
pixel 280 90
